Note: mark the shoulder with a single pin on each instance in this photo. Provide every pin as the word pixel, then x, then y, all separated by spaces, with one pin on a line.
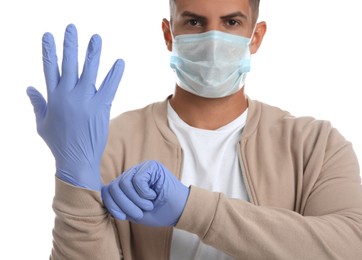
pixel 277 132
pixel 274 127
pixel 267 117
pixel 139 117
pixel 149 122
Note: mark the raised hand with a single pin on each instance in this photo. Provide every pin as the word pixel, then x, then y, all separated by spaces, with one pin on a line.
pixel 75 118
pixel 147 194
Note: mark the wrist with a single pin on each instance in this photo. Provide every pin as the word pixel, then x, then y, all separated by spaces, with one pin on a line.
pixel 84 177
pixel 183 200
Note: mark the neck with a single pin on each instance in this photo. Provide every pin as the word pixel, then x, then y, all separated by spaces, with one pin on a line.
pixel 208 113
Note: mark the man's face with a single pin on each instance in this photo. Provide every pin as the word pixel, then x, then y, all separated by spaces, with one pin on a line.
pixel 197 16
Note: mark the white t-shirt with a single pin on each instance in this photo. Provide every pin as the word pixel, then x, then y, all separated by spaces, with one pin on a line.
pixel 211 161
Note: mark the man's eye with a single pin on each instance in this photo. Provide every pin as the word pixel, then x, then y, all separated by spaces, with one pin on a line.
pixel 193 22
pixel 232 23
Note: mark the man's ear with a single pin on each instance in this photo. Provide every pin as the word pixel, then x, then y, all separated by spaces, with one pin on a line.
pixel 166 29
pixel 259 33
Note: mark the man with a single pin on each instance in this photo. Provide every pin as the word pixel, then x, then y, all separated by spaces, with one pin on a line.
pixel 206 174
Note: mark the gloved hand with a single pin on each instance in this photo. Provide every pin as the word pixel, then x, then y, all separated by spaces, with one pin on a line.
pixel 146 194
pixel 74 123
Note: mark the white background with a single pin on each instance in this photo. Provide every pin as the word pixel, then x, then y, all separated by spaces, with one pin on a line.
pixel 309 64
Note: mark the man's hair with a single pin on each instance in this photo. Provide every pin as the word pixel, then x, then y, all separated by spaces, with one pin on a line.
pixel 254 4
pixel 255 8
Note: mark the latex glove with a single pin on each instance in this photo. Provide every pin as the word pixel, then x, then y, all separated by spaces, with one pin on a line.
pixel 74 123
pixel 146 194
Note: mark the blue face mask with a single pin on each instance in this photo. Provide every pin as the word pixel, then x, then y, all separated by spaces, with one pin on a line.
pixel 213 64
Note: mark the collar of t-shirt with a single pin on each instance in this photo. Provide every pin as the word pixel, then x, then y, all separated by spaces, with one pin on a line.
pixel 236 124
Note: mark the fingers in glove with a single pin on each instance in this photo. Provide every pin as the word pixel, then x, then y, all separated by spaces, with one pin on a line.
pixel 91 64
pixel 50 62
pixel 111 205
pixel 38 102
pixel 131 210
pixel 69 76
pixel 109 86
pixel 144 178
pixel 126 185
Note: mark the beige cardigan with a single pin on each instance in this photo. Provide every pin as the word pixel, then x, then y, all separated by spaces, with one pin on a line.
pixel 302 177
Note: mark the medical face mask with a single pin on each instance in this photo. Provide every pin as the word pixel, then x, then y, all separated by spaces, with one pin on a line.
pixel 213 64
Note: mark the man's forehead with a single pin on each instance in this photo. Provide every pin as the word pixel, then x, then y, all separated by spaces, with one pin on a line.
pixel 212 7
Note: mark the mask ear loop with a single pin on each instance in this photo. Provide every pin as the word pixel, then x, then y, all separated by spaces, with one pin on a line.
pixel 172 35
pixel 252 35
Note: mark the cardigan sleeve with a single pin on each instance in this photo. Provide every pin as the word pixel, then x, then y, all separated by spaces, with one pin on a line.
pixel 328 224
pixel 82 228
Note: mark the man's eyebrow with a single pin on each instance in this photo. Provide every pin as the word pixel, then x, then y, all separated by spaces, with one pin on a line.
pixel 193 15
pixel 233 15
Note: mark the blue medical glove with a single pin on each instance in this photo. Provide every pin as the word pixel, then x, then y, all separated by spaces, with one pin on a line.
pixel 74 122
pixel 147 194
